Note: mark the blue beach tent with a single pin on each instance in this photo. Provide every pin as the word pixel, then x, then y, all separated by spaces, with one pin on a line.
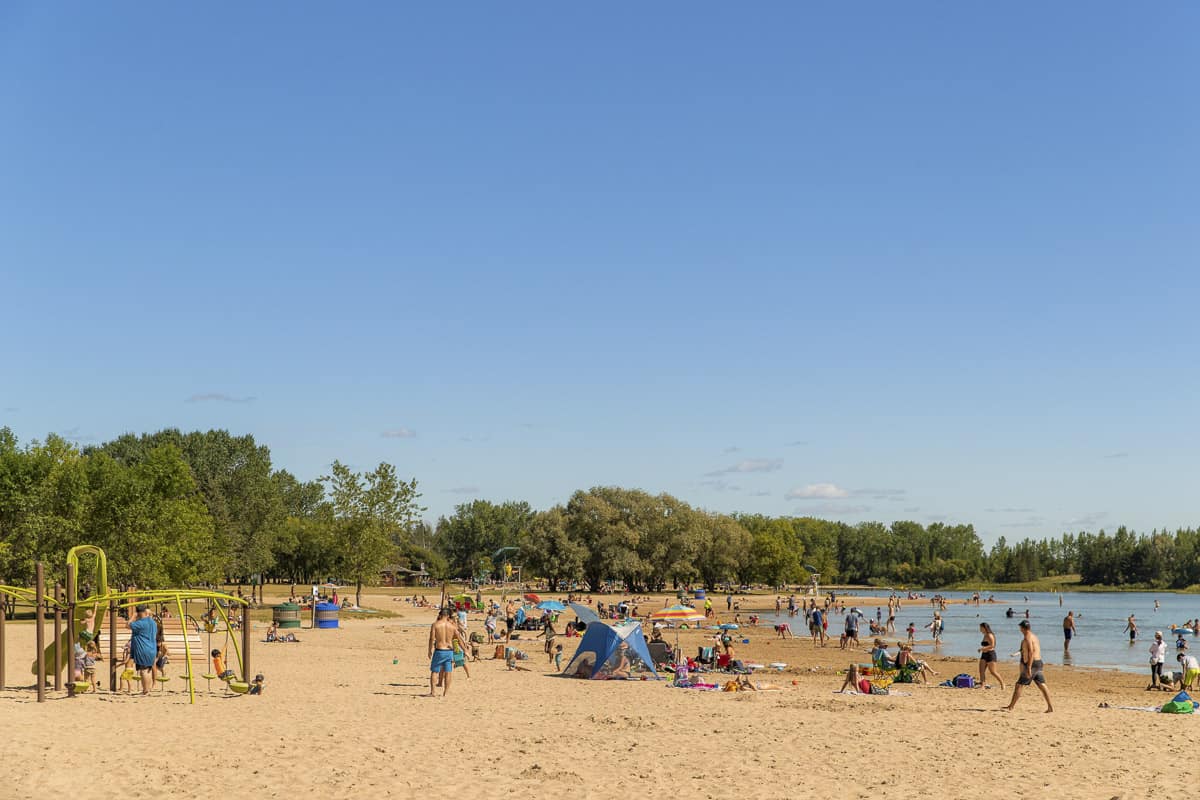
pixel 604 648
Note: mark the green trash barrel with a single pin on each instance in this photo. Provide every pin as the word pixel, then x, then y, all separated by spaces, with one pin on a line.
pixel 286 615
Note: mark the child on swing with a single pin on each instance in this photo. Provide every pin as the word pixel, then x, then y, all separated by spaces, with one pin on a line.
pixel 218 662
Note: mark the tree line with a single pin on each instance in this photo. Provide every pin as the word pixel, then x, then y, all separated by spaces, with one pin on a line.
pixel 182 509
pixel 1157 560
pixel 174 508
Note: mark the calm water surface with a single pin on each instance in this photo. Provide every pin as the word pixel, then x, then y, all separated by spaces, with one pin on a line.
pixel 1100 619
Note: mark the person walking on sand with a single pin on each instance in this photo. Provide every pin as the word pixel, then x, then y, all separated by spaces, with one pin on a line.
pixel 443 634
pixel 1068 630
pixel 1031 668
pixel 987 655
pixel 1158 657
pixel 1131 627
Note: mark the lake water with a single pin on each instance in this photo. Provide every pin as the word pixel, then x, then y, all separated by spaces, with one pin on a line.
pixel 1100 620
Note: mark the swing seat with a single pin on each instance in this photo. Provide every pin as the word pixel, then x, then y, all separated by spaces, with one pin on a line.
pixel 81 686
pixel 238 687
pixel 209 679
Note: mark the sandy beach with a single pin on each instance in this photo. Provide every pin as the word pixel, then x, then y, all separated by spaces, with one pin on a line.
pixel 339 719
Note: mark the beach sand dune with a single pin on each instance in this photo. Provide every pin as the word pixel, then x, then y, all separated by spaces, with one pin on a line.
pixel 340 719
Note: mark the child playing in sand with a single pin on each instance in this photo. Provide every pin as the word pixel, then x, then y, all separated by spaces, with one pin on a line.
pixel 558 658
pixel 745 684
pixel 855 682
pixel 256 686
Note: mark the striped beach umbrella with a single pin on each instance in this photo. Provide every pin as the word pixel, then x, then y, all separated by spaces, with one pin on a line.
pixel 678 613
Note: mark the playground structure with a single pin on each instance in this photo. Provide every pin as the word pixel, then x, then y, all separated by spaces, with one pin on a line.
pixel 66 607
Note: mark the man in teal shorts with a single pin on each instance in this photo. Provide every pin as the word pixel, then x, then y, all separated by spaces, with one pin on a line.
pixel 442 636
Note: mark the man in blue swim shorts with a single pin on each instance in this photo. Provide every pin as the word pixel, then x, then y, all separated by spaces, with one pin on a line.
pixel 442 636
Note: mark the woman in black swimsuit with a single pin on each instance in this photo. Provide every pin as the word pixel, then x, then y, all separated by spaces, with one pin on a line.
pixel 987 655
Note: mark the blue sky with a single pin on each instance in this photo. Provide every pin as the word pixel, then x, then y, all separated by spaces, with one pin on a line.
pixel 893 262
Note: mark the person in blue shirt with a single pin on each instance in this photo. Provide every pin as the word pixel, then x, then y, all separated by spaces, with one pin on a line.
pixel 143 645
pixel 816 626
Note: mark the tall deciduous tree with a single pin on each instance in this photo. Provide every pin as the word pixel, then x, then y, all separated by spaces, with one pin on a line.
pixel 550 552
pixel 369 508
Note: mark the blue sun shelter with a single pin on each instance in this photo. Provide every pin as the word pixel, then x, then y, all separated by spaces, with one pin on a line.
pixel 612 652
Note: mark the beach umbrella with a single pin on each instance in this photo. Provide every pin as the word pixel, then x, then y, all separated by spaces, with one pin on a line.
pixel 533 598
pixel 330 586
pixel 552 605
pixel 678 613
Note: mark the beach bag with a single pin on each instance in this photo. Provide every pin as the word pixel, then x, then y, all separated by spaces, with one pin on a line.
pixel 1176 707
pixel 1179 704
pixel 964 681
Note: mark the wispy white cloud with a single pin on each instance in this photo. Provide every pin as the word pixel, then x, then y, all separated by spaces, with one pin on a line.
pixel 474 438
pixel 11 409
pixel 760 493
pixel 218 397
pixel 1028 522
pixel 895 495
pixel 1088 519
pixel 463 490
pixel 1009 510
pixel 73 435
pixel 718 485
pixel 398 433
pixel 797 443
pixel 1121 454
pixel 832 509
pixel 817 491
pixel 912 509
pixel 732 449
pixel 749 465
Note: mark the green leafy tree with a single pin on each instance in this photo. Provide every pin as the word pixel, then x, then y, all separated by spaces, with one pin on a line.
pixel 724 551
pixel 234 476
pixel 368 508
pixel 477 530
pixel 550 552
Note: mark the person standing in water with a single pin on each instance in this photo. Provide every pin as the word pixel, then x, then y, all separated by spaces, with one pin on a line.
pixel 1031 667
pixel 1068 630
pixel 1131 627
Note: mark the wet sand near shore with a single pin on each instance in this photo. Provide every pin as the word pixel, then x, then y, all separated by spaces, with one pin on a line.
pixel 339 718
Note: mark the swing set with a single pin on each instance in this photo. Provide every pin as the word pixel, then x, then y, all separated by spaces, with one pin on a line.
pixel 72 616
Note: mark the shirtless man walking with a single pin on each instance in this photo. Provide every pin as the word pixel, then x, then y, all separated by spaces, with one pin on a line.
pixel 442 636
pixel 1068 630
pixel 1031 667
